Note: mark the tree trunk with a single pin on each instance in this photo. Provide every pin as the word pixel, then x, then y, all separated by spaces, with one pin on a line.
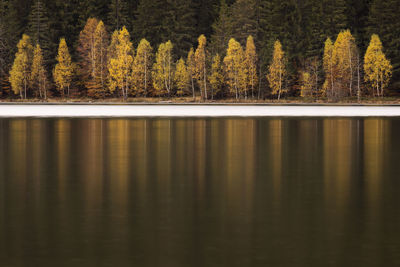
pixel 145 74
pixel 259 84
pixel 194 97
pixel 205 81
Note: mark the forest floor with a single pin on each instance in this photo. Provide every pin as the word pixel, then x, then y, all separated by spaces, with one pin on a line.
pixel 190 100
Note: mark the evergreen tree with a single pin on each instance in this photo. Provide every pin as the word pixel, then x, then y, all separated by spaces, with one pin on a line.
pixel 180 21
pixel 39 29
pixel 63 71
pixel 222 30
pixel 244 20
pixel 39 73
pixel 65 17
pixel 4 48
pixel 21 69
pixel 92 9
pixel 377 67
pixel 142 68
pixel 333 18
pixel 206 14
pixel 181 77
pixel 118 15
pixel 150 21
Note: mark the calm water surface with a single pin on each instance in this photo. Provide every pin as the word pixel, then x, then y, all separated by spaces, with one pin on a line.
pixel 199 192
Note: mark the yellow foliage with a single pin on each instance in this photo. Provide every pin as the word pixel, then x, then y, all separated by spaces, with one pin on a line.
pixel 328 68
pixel 120 64
pixel 191 66
pixel 142 67
pixel 100 65
pixel 20 71
pixel 377 67
pixel 39 73
pixel 251 65
pixel 200 66
pixel 64 69
pixel 306 84
pixel 216 78
pixel 344 63
pixel 234 67
pixel 181 77
pixel 277 70
pixel 162 69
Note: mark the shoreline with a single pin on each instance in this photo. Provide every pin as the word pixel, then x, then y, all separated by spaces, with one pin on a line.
pixel 193 110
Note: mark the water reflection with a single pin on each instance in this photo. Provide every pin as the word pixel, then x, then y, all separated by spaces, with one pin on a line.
pixel 199 192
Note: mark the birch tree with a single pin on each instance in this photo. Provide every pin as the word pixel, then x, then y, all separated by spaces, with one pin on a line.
pixel 377 67
pixel 251 65
pixel 63 71
pixel 39 74
pixel 101 49
pixel 201 67
pixel 277 70
pixel 120 64
pixel 21 69
pixel 181 77
pixel 233 66
pixel 163 69
pixel 142 67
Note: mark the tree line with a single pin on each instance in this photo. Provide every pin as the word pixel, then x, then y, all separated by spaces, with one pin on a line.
pixel 301 26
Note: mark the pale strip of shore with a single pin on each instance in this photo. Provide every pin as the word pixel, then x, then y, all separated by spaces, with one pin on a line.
pixel 105 111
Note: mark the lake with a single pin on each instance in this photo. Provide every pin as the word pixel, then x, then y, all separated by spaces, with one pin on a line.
pixel 200 192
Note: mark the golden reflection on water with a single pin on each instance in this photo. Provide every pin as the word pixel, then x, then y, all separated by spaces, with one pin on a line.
pixel 162 176
pixel 376 140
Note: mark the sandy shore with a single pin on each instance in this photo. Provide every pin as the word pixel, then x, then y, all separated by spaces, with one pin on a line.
pixel 34 110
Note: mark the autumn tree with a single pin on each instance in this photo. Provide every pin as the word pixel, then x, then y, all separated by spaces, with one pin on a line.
pixel 328 87
pixel 306 84
pixel 88 54
pixel 201 67
pixel 191 66
pixel 120 64
pixel 21 69
pixel 344 63
pixel 250 64
pixel 234 68
pixel 181 77
pixel 101 70
pixel 39 73
pixel 163 69
pixel 277 70
pixel 63 71
pixel 142 67
pixel 216 78
pixel 377 67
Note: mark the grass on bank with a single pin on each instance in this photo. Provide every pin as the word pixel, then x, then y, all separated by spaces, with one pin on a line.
pixel 190 100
